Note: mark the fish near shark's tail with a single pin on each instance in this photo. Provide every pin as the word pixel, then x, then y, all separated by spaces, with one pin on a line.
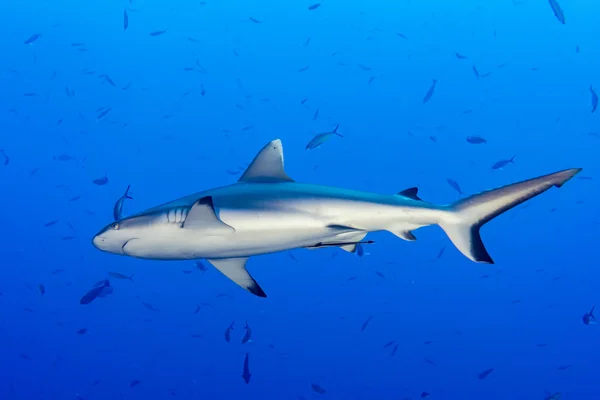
pixel 466 217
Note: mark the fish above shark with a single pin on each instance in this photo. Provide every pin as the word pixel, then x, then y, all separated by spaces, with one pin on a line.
pixel 266 211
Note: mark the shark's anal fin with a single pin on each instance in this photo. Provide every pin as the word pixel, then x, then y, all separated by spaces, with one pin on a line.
pixel 350 247
pixel 203 215
pixel 235 269
pixel 267 166
pixel 406 235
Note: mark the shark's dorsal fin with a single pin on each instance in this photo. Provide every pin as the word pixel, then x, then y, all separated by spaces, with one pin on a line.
pixel 235 269
pixel 267 166
pixel 410 193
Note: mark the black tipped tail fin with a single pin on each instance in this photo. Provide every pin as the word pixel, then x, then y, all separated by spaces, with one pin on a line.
pixel 467 216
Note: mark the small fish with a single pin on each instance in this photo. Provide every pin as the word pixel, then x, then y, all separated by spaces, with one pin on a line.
pixel 67 238
pixel 594 99
pixel 228 332
pixel 589 318
pixel 316 115
pixel 424 395
pixel 125 20
pixel 50 223
pixel 317 388
pixel 6 159
pixel 476 139
pixel 394 350
pixel 503 163
pixel 108 80
pixel 388 344
pixel 42 289
pixel 103 113
pixel 33 38
pixel 314 6
pixel 95 292
pixel 255 20
pixel 157 33
pixel 558 12
pixel 118 275
pixel 101 181
pixel 246 371
pixel 75 198
pixel 475 71
pixel 150 306
pixel 454 185
pixel 247 335
pixel 360 251
pixel 366 324
pixel 430 92
pixel 460 56
pixel 134 383
pixel 402 35
pixel 118 207
pixel 553 396
pixel 321 138
pixel 303 69
pixel 82 331
pixel 441 252
pixel 485 373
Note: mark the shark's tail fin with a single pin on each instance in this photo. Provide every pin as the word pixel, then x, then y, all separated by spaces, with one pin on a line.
pixel 467 216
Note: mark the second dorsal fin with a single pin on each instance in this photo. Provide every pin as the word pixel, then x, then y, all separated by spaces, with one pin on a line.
pixel 411 193
pixel 267 166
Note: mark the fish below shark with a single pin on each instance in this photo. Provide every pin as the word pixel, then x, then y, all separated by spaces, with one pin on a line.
pixel 266 211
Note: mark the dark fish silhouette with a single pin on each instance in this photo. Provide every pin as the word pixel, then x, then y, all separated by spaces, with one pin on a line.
pixel 589 318
pixel 594 99
pixel 247 335
pixel 228 332
pixel 321 138
pixel 430 92
pixel 246 372
pixel 366 324
pixel 454 185
pixel 317 388
pixel 118 207
pixel 125 20
pixel 95 292
pixel 476 140
pixel 33 38
pixel 314 6
pixel 157 33
pixel 101 181
pixel 485 373
pixel 503 163
pixel 558 12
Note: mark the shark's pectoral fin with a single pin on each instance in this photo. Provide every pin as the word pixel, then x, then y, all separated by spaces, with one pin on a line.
pixel 235 269
pixel 267 166
pixel 203 215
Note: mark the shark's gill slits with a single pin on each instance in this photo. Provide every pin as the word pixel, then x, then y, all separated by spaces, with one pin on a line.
pixel 177 215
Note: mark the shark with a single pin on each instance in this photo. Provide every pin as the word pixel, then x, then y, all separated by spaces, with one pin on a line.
pixel 266 211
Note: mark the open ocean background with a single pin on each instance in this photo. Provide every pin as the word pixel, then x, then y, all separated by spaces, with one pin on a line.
pixel 190 107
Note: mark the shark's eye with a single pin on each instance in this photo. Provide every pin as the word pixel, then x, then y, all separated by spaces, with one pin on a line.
pixel 115 226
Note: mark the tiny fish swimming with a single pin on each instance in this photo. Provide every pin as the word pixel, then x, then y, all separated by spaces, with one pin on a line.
pixel 266 211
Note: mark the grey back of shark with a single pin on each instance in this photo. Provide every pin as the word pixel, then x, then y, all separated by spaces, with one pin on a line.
pixel 266 211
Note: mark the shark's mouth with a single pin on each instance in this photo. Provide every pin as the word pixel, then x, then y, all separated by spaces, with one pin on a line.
pixel 124 247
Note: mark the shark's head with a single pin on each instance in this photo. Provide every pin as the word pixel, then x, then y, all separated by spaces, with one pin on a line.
pixel 115 237
pixel 127 236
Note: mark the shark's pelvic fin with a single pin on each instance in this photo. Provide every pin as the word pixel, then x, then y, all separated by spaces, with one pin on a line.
pixel 267 166
pixel 467 216
pixel 204 215
pixel 235 269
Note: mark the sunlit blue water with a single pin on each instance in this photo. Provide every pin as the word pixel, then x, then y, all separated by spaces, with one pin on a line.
pixel 189 108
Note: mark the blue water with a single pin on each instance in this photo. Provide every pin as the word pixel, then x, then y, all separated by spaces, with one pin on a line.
pixel 171 132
